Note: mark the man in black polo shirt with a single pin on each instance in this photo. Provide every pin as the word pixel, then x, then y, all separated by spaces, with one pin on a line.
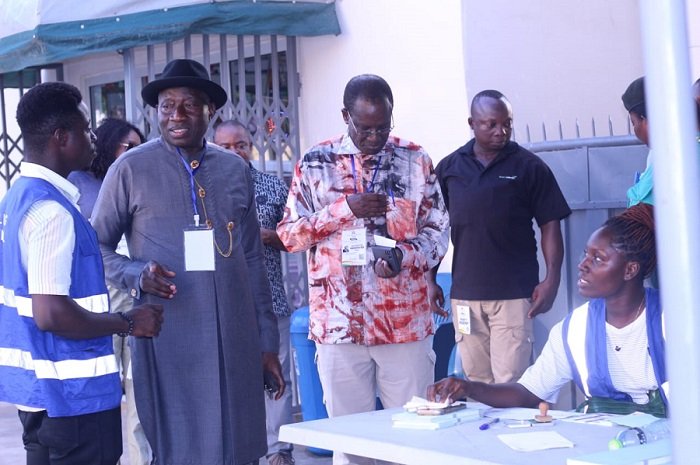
pixel 493 189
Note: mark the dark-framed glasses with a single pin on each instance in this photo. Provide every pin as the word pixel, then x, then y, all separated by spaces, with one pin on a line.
pixel 371 132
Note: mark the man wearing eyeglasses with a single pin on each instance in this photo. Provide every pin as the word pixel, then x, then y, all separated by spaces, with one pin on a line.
pixel 270 198
pixel 494 189
pixel 369 316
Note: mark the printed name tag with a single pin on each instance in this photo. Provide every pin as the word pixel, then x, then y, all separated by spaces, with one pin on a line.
pixel 464 322
pixel 354 244
pixel 199 250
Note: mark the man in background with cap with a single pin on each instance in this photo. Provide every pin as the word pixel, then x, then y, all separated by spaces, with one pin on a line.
pixel 270 197
pixel 635 103
pixel 188 211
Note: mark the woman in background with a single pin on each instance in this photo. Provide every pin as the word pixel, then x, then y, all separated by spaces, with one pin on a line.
pixel 114 137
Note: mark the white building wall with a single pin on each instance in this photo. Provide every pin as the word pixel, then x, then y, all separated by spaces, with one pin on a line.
pixel 415 45
pixel 555 60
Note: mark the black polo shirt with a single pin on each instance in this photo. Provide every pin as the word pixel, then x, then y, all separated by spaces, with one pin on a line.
pixel 491 211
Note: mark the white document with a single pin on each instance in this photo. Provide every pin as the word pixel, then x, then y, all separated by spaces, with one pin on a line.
pixel 539 440
pixel 634 420
pixel 199 250
pixel 384 241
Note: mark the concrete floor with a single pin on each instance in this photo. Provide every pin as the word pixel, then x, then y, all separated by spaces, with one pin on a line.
pixel 12 451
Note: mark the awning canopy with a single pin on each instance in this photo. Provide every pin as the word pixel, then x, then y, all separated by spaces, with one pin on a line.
pixel 37 32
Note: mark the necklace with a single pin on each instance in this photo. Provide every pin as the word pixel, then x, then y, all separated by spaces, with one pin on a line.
pixel 639 312
pixel 210 225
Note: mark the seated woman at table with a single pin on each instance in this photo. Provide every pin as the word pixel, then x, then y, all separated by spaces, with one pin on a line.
pixel 612 347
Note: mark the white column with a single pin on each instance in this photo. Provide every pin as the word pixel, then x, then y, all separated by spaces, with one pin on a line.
pixel 672 125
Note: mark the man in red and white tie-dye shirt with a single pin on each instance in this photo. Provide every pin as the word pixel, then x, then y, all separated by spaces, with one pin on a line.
pixel 372 324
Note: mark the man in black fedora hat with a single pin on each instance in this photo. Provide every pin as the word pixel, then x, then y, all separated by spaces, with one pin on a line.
pixel 188 211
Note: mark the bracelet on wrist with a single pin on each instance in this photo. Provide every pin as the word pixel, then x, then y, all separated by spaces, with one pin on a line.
pixel 129 320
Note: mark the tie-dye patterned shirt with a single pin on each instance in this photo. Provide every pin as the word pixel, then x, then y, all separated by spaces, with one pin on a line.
pixel 351 304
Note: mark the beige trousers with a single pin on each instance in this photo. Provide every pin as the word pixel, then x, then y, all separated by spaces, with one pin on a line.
pixel 353 376
pixel 499 346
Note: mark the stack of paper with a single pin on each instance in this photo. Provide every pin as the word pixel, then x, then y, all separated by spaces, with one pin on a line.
pixel 412 420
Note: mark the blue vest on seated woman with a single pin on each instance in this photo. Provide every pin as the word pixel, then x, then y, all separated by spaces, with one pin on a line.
pixel 587 353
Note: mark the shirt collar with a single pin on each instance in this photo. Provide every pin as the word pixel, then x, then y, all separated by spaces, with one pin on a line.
pixel 65 187
pixel 174 150
pixel 348 146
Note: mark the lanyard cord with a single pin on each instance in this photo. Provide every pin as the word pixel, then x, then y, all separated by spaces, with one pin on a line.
pixel 370 188
pixel 192 170
pixel 374 177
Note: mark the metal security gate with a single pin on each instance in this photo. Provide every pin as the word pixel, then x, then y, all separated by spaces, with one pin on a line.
pixel 12 87
pixel 259 74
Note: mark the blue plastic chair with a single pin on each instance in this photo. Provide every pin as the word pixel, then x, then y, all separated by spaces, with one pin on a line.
pixel 444 339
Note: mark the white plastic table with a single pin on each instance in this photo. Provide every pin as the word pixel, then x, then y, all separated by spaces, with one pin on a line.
pixel 372 435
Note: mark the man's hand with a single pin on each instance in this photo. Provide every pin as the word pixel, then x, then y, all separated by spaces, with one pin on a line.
pixel 273 369
pixel 154 280
pixel 543 297
pixel 270 238
pixel 382 268
pixel 436 297
pixel 553 251
pixel 448 389
pixel 368 205
pixel 147 319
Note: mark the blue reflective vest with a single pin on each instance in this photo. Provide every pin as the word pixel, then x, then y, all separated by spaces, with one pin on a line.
pixel 40 369
pixel 588 357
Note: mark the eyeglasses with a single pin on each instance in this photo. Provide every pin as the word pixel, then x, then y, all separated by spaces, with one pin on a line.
pixel 371 132
pixel 128 146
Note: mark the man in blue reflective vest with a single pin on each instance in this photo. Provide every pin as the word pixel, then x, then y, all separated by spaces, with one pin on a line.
pixel 56 359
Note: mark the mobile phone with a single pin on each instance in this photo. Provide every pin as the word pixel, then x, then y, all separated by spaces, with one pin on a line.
pixel 270 383
pixel 442 410
pixel 389 255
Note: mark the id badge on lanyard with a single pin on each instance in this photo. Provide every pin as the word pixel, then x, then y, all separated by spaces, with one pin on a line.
pixel 354 247
pixel 199 249
pixel 463 314
pixel 198 241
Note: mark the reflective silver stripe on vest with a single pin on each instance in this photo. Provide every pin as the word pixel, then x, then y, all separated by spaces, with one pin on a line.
pixel 576 339
pixel 65 369
pixel 95 303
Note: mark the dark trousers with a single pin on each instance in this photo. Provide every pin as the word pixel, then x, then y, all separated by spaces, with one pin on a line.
pixel 92 439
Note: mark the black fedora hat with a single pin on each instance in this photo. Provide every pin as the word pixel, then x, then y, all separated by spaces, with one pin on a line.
pixel 184 73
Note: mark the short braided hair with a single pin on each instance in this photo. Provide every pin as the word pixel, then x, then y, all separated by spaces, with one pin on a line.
pixel 633 235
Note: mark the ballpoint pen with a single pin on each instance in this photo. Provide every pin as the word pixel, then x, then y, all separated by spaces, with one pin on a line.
pixel 488 424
